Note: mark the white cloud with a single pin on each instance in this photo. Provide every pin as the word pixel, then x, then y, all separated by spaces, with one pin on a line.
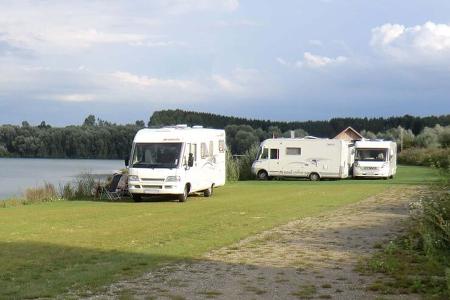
pixel 313 61
pixel 71 97
pixel 238 23
pixel 281 61
pixel 55 27
pixel 317 43
pixel 151 82
pixel 317 61
pixel 425 43
pixel 159 44
pixel 241 82
pixel 187 6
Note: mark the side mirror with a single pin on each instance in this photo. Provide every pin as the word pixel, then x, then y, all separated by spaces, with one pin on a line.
pixel 127 162
pixel 190 161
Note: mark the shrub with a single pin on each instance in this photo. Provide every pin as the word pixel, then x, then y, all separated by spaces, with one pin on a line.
pixel 433 157
pixel 245 163
pixel 47 193
pixel 433 221
pixel 85 185
pixel 66 191
pixel 232 167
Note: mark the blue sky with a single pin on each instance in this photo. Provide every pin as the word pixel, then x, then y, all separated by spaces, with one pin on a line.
pixel 280 60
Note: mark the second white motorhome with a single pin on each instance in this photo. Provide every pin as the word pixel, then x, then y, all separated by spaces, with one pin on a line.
pixel 375 159
pixel 312 158
pixel 177 161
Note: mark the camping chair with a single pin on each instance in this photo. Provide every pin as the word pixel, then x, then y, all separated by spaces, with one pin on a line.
pixel 111 191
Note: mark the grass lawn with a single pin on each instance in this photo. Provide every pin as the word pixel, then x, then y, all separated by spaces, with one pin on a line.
pixel 51 248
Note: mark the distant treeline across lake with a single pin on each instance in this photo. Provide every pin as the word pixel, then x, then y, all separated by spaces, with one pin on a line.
pixel 100 139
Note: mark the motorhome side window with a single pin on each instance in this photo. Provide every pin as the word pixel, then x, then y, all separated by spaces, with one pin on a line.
pixel 193 150
pixel 274 153
pixel 204 150
pixel 293 151
pixel 265 153
pixel 211 148
pixel 221 146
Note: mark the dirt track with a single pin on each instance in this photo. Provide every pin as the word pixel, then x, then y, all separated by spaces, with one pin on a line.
pixel 309 258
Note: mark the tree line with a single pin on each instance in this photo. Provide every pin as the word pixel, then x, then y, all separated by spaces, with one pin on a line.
pixel 326 129
pixel 97 138
pixel 94 139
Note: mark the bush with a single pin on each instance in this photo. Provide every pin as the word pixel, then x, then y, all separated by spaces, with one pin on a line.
pixel 432 157
pixel 232 168
pixel 245 163
pixel 433 221
pixel 47 193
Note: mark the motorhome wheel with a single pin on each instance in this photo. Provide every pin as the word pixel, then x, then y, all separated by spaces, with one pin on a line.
pixel 209 192
pixel 183 197
pixel 314 177
pixel 262 175
pixel 136 197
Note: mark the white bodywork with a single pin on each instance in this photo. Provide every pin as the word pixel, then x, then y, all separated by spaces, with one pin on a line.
pixel 375 159
pixel 290 157
pixel 159 160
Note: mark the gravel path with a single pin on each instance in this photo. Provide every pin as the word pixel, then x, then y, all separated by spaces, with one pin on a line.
pixel 309 258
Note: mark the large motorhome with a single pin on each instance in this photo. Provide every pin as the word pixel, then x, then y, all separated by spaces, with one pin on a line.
pixel 312 158
pixel 177 161
pixel 375 159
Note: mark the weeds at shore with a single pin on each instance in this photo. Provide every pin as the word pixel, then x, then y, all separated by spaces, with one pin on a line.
pixel 83 187
pixel 418 262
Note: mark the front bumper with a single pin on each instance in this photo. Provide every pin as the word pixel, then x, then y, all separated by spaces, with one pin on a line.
pixel 163 188
pixel 371 173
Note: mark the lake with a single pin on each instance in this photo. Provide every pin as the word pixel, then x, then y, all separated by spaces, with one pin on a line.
pixel 17 174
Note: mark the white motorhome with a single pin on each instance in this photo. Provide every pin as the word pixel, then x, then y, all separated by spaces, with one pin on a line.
pixel 312 158
pixel 375 159
pixel 177 161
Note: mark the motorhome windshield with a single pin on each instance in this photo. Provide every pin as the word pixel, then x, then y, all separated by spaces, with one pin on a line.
pixel 156 155
pixel 371 154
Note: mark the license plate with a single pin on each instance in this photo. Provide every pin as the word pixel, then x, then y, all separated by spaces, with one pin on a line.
pixel 151 191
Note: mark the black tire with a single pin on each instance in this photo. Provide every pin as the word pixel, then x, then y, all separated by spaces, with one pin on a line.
pixel 262 175
pixel 209 192
pixel 391 177
pixel 183 197
pixel 314 177
pixel 136 197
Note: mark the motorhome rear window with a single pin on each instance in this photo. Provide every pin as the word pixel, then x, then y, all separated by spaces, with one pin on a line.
pixel 293 151
pixel 274 153
pixel 156 155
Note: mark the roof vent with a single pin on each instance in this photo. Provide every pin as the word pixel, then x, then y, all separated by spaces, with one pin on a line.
pixel 181 126
pixel 197 126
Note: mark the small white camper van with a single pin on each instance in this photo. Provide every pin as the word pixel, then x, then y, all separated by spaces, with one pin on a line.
pixel 176 160
pixel 375 159
pixel 312 158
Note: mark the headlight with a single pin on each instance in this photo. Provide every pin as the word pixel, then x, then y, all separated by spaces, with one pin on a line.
pixel 133 178
pixel 173 178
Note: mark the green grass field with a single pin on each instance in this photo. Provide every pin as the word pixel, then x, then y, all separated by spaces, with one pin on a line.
pixel 50 248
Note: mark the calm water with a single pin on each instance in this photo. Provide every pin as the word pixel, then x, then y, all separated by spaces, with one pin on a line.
pixel 16 174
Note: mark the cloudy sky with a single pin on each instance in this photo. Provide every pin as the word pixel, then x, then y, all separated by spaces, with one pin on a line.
pixel 281 60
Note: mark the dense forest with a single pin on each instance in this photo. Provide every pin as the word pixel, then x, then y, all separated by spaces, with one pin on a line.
pixel 97 138
pixel 317 128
